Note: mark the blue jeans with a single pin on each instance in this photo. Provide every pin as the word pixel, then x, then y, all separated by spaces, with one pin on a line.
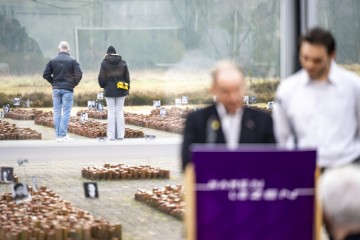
pixel 62 104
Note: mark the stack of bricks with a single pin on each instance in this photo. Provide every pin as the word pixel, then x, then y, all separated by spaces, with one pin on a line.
pixel 122 171
pixel 45 119
pixel 173 121
pixel 19 114
pixel 94 129
pixel 173 112
pixel 93 113
pixel 168 124
pixel 49 217
pixel 90 129
pixel 9 131
pixel 169 200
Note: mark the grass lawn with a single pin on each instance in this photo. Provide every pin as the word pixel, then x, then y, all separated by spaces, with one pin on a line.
pixel 146 85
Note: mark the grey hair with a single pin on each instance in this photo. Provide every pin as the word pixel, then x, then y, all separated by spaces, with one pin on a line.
pixel 339 192
pixel 225 65
pixel 64 46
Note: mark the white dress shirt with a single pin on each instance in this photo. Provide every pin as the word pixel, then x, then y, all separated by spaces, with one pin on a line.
pixel 231 125
pixel 323 115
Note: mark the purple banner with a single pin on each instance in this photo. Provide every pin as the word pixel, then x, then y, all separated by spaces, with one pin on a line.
pixel 254 194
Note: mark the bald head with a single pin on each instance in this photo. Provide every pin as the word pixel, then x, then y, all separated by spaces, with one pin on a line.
pixel 228 85
pixel 64 46
pixel 225 66
pixel 339 193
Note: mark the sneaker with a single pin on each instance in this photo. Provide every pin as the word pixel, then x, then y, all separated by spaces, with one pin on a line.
pixel 67 138
pixel 64 139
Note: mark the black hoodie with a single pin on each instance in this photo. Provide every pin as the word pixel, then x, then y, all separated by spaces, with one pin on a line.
pixel 113 69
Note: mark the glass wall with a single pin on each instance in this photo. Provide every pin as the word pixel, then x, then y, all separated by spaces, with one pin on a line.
pixel 168 44
pixel 161 40
pixel 343 19
pixel 149 33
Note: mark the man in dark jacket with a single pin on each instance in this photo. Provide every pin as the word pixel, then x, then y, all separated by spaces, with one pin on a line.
pixel 63 73
pixel 227 121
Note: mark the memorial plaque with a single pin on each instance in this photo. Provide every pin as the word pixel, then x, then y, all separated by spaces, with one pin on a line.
pixel 27 103
pixel 17 102
pixel 270 105
pixel 20 193
pixel 157 103
pixel 7 174
pixel 91 104
pixel 100 96
pixel 162 112
pixel 246 99
pixel 84 117
pixel 177 101
pixel 91 190
pixel 252 99
pixel 6 108
pixel 184 100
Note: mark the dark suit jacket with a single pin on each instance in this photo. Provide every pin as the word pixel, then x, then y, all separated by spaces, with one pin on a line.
pixel 200 127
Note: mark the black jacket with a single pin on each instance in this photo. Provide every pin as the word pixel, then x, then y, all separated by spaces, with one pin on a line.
pixel 256 127
pixel 113 69
pixel 63 72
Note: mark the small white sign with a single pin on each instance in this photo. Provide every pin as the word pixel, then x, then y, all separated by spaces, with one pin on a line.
pixel 16 102
pixel 91 105
pixel 177 101
pixel 246 99
pixel 7 174
pixel 157 103
pixel 100 107
pixel 162 112
pixel 27 103
pixel 270 105
pixel 100 96
pixel 83 117
pixel 252 99
pixel 6 108
pixel 91 190
pixel 20 193
pixel 184 100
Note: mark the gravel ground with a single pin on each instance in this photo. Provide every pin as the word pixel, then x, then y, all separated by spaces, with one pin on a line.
pixel 62 173
pixel 116 198
pixel 60 170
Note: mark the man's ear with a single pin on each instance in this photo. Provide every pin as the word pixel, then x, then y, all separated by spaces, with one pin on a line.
pixel 333 55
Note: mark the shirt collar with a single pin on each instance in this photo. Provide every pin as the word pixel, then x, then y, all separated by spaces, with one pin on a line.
pixel 222 111
pixel 332 77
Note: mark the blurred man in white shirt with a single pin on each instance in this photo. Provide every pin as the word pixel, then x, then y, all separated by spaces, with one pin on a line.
pixel 319 106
